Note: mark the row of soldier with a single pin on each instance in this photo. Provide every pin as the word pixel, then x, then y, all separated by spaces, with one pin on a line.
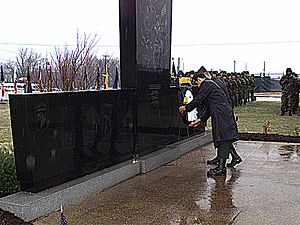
pixel 241 86
pixel 290 85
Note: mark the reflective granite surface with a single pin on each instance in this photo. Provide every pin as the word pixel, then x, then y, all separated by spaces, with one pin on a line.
pixel 60 136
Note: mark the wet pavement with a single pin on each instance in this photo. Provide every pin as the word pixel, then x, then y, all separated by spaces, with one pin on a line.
pixel 263 189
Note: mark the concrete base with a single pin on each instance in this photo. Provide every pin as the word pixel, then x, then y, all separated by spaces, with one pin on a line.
pixel 29 206
pixel 172 152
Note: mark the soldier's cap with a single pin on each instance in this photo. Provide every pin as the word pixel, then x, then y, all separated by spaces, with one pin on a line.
pixel 202 68
pixel 200 74
pixel 288 70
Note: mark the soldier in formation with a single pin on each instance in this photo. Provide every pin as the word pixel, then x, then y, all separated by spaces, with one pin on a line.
pixel 290 92
pixel 241 86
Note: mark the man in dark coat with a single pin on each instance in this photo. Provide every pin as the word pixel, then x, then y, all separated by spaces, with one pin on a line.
pixel 212 98
pixel 236 159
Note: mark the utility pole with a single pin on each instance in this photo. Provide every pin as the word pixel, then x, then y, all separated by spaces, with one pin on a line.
pixel 264 69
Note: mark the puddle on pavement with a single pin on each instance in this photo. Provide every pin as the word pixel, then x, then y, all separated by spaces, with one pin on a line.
pixel 290 152
pixel 219 193
pixel 216 203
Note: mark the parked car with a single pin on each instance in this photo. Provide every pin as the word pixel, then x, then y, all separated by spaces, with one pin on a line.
pixel 9 88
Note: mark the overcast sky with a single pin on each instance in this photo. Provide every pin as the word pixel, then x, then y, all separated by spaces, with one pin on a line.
pixel 218 32
pixel 212 33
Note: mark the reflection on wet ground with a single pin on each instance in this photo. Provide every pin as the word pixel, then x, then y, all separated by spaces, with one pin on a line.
pixel 263 189
pixel 219 199
pixel 290 152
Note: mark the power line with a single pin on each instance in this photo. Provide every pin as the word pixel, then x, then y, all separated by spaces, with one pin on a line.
pixel 237 43
pixel 4 50
pixel 4 59
pixel 50 45
pixel 176 45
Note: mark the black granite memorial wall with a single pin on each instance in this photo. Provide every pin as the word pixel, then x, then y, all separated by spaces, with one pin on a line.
pixel 62 136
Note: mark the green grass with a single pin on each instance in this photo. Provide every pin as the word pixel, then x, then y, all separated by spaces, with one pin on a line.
pixel 252 116
pixel 8 178
pixel 5 128
pixel 255 114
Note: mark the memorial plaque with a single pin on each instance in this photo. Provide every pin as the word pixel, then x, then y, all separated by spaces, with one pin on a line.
pixel 153 31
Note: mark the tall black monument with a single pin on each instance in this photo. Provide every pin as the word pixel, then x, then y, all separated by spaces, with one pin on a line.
pixel 145 40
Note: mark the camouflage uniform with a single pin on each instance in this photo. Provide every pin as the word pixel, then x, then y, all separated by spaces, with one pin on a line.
pixel 287 86
pixel 230 89
pixel 295 93
pixel 248 88
pixel 244 89
pixel 252 87
pixel 235 91
pixel 240 90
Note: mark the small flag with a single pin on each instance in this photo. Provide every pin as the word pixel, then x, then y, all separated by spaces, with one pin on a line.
pixel 85 79
pixel 106 79
pixel 40 80
pixel 115 86
pixel 2 91
pixel 173 68
pixel 98 78
pixel 2 83
pixel 49 74
pixel 174 77
pixel 178 64
pixel 63 220
pixel 2 75
pixel 29 89
pixel 15 80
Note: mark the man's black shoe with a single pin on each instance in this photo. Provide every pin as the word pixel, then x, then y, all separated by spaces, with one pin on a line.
pixel 218 171
pixel 213 161
pixel 234 162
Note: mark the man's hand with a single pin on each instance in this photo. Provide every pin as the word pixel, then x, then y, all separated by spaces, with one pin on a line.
pixel 182 109
pixel 195 123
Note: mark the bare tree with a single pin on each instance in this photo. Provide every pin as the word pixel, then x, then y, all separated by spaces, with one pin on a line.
pixel 27 58
pixel 70 68
pixel 9 68
pixel 71 65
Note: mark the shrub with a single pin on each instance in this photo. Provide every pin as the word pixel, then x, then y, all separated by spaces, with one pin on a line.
pixel 8 177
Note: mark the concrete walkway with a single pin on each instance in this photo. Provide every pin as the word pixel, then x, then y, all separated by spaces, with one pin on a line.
pixel 263 189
